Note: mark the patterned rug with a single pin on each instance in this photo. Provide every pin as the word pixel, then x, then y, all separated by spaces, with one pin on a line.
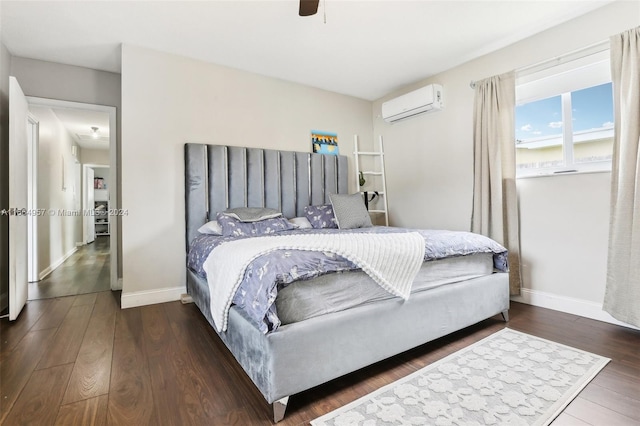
pixel 507 378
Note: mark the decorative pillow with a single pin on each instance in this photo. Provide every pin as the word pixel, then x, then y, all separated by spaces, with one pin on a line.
pixel 211 228
pixel 232 226
pixel 301 222
pixel 350 211
pixel 321 216
pixel 252 214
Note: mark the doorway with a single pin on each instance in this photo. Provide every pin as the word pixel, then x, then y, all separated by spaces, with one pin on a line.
pixel 66 262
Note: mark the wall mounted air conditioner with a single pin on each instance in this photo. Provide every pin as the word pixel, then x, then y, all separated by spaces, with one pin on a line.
pixel 428 98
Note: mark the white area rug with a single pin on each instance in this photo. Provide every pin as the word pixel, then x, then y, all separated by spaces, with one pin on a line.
pixel 507 378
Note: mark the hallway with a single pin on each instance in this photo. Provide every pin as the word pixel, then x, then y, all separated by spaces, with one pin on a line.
pixel 86 271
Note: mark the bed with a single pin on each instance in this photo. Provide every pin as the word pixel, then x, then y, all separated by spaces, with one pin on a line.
pixel 339 341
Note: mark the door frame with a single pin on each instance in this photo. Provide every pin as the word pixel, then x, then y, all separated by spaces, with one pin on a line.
pixel 113 168
pixel 87 223
pixel 32 197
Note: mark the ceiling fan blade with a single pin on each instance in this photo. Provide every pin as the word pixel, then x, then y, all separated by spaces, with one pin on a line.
pixel 308 7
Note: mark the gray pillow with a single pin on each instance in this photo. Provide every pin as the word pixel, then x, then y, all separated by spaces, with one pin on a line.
pixel 252 214
pixel 350 211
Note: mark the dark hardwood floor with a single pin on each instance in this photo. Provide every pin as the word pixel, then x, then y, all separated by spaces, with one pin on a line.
pixel 80 360
pixel 85 271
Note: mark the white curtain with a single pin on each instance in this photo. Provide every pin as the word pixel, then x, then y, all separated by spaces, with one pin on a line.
pixel 495 208
pixel 622 295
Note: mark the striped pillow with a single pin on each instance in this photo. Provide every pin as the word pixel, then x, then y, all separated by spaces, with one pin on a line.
pixel 350 211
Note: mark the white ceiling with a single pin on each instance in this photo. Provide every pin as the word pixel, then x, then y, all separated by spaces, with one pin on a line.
pixel 79 123
pixel 366 49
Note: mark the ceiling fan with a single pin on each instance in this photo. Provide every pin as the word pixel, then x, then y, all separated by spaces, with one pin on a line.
pixel 308 7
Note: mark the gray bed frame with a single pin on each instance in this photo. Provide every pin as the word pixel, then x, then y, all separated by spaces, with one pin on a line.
pixel 219 177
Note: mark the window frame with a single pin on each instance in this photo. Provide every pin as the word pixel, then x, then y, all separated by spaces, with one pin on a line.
pixel 575 74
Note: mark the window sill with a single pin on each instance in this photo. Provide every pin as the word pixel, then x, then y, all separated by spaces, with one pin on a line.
pixel 549 173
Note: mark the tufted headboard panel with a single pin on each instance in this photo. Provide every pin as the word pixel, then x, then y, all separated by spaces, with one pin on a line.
pixel 218 177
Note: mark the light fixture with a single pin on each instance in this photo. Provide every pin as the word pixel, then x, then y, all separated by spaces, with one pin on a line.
pixel 95 132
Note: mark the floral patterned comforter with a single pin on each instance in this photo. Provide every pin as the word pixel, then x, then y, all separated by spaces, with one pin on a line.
pixel 266 274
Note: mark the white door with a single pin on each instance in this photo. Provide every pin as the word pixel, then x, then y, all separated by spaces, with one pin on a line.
pixel 91 224
pixel 18 156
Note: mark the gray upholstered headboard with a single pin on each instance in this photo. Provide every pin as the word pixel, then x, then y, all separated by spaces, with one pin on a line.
pixel 218 177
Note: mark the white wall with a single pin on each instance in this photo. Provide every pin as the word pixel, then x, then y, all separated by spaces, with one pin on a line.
pixel 564 219
pixel 57 232
pixel 564 232
pixel 94 156
pixel 168 100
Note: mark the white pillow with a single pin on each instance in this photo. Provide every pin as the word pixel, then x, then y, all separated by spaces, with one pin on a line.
pixel 252 214
pixel 211 228
pixel 301 222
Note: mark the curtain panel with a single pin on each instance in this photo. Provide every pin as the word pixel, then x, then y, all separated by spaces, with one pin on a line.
pixel 495 208
pixel 622 294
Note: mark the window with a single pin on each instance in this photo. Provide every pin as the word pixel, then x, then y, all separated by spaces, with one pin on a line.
pixel 564 119
pixel 592 118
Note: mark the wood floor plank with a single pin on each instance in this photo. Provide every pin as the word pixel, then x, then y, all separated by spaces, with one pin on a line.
pixel 85 299
pixel 627 406
pixel 597 414
pixel 621 368
pixel 102 281
pixel 90 412
pixel 107 302
pixel 39 402
pixel 92 369
pixel 609 378
pixel 565 419
pixel 55 313
pixel 130 395
pixel 66 344
pixel 189 327
pixel 174 401
pixel 11 332
pixel 200 372
pixel 16 367
pixel 156 330
pixel 235 418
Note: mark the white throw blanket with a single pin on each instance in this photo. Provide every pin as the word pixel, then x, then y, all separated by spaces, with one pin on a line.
pixel 391 260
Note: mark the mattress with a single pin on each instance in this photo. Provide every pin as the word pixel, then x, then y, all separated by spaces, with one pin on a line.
pixel 335 292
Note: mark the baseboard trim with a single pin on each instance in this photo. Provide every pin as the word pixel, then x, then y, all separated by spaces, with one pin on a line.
pixel 570 305
pixel 151 297
pixel 49 269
